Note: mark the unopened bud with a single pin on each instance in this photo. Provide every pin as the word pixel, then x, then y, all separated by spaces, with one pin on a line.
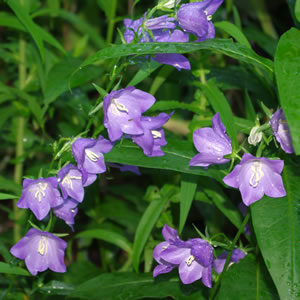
pixel 254 137
pixel 169 4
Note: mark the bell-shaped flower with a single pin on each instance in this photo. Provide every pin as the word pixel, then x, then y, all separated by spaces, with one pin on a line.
pixel 281 131
pixel 40 195
pixel 256 176
pixel 219 262
pixel 212 143
pixel 162 22
pixel 67 211
pixel 153 137
pixel 176 60
pixel 123 110
pixel 171 238
pixel 196 18
pixel 88 154
pixel 194 259
pixel 41 250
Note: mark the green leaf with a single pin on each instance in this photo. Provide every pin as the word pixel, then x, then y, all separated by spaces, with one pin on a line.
pixel 250 112
pixel 11 21
pixel 287 71
pixel 60 77
pixel 224 46
pixel 28 23
pixel 10 186
pixel 131 286
pixel 222 202
pixel 234 31
pixel 55 287
pixel 178 153
pixel 163 105
pixel 144 72
pixel 297 10
pixel 4 196
pixel 108 236
pixel 147 222
pixel 220 104
pixel 247 280
pixel 276 223
pixel 187 193
pixel 10 269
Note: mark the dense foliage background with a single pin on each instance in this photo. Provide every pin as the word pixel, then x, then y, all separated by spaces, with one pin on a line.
pixel 59 58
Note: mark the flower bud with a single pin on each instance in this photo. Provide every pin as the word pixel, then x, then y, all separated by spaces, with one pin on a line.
pixel 254 137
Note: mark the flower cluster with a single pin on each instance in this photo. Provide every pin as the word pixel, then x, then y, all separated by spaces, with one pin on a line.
pixel 194 18
pixel 42 250
pixel 253 176
pixel 194 258
pixel 123 115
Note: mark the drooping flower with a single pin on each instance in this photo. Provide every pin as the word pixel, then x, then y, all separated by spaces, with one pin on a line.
pixel 176 60
pixel 88 154
pixel 196 18
pixel 67 211
pixel 40 195
pixel 194 259
pixel 123 110
pixel 134 28
pixel 153 137
pixel 162 22
pixel 212 143
pixel 281 131
pixel 41 250
pixel 171 238
pixel 256 176
pixel 219 262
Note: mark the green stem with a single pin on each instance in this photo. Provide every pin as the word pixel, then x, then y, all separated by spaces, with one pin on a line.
pixel 111 22
pixel 18 172
pixel 241 229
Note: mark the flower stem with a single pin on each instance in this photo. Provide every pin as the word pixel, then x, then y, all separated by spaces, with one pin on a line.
pixel 111 22
pixel 241 229
pixel 18 171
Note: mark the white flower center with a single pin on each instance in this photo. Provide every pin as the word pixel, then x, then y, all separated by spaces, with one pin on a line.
pixel 40 191
pixel 68 180
pixel 208 17
pixel 189 260
pixel 257 174
pixel 43 246
pixel 156 134
pixel 91 155
pixel 117 107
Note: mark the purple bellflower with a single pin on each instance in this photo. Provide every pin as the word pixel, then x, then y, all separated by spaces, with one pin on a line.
pixel 88 154
pixel 196 18
pixel 171 238
pixel 153 137
pixel 123 110
pixel 212 143
pixel 281 131
pixel 256 176
pixel 40 195
pixel 162 22
pixel 194 259
pixel 67 211
pixel 158 25
pixel 176 60
pixel 236 256
pixel 41 250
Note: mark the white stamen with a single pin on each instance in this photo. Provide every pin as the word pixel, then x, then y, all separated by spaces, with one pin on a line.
pixel 257 174
pixel 189 260
pixel 209 18
pixel 40 191
pixel 68 180
pixel 117 107
pixel 72 210
pixel 156 134
pixel 43 246
pixel 91 155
